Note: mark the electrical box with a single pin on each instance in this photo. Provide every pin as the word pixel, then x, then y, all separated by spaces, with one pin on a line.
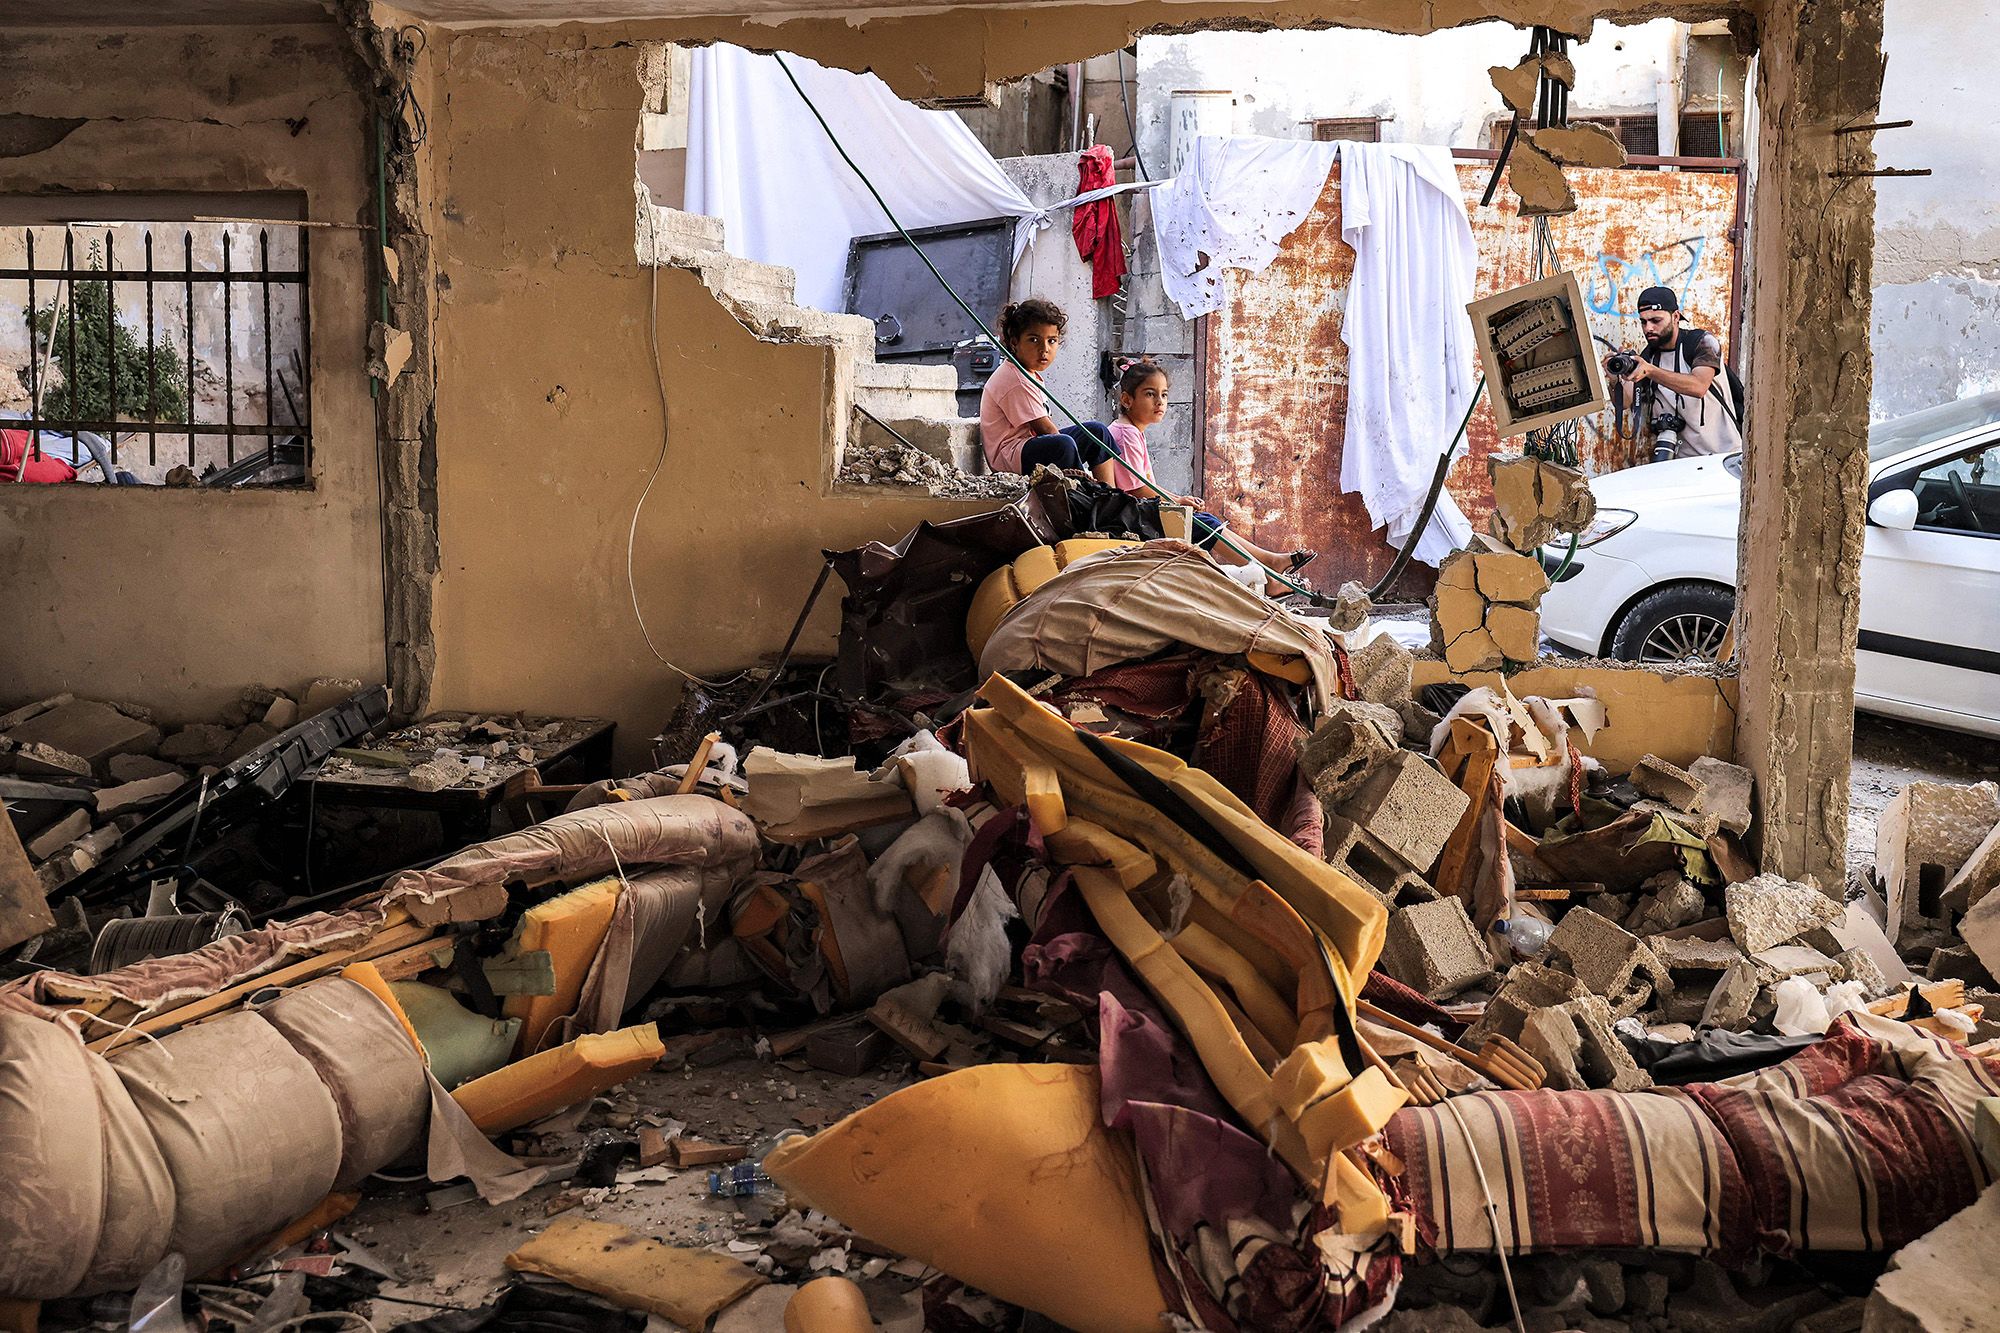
pixel 1534 344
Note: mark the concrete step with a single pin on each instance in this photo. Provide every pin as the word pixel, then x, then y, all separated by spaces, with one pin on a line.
pixel 953 440
pixel 749 280
pixel 892 389
pixel 681 236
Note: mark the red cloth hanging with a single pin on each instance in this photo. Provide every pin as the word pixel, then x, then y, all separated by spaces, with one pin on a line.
pixel 1095 225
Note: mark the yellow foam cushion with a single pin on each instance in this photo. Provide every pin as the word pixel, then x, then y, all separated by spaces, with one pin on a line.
pixel 543 1084
pixel 569 928
pixel 1007 585
pixel 1043 1207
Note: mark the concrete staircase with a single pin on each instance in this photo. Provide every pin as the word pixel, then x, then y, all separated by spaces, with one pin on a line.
pixel 919 402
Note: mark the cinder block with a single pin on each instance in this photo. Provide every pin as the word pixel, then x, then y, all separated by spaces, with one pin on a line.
pixel 1529 987
pixel 1382 670
pixel 1603 1059
pixel 1925 835
pixel 1368 861
pixel 1729 1003
pixel 1977 877
pixel 1434 950
pixel 1667 782
pixel 1859 965
pixel 1609 960
pixel 1350 739
pixel 1408 805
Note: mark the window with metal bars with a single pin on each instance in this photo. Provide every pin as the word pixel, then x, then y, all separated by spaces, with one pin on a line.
pixel 161 353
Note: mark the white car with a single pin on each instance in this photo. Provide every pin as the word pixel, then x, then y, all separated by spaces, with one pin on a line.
pixel 1655 577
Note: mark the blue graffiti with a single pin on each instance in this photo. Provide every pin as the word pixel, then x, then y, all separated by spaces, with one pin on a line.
pixel 1617 278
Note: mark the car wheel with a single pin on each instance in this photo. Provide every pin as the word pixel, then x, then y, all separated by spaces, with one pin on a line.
pixel 1674 624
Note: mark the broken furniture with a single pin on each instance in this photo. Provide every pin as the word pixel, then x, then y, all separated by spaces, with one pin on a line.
pixel 465 786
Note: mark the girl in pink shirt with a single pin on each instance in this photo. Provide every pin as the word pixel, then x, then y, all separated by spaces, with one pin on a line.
pixel 1142 401
pixel 1015 430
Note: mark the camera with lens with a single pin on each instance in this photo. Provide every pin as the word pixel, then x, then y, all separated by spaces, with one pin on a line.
pixel 1667 428
pixel 1622 364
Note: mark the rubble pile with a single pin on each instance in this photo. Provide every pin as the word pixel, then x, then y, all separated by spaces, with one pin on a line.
pixel 1190 964
pixel 895 464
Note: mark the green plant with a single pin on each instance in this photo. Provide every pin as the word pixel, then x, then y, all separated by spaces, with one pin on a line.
pixel 84 392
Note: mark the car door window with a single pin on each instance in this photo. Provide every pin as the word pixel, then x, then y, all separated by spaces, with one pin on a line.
pixel 1961 493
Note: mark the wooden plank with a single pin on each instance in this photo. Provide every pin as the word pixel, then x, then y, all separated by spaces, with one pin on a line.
pixel 1477 783
pixel 24 908
pixel 697 764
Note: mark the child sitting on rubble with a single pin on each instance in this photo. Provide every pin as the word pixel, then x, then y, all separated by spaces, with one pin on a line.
pixel 1142 401
pixel 1015 429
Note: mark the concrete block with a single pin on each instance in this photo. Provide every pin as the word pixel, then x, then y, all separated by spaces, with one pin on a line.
pixel 1551 1037
pixel 1349 741
pixel 202 743
pixel 1959 962
pixel 1351 608
pixel 281 713
pixel 1535 500
pixel 126 796
pixel 1942 1280
pixel 323 693
pixel 1769 910
pixel 138 767
pixel 1701 825
pixel 1923 838
pixel 1366 860
pixel 58 835
pixel 1408 805
pixel 1602 1057
pixel 1529 987
pixel 1434 949
pixel 1671 783
pixel 1794 960
pixel 1693 955
pixel 1860 928
pixel 1730 1002
pixel 9 721
pixel 1859 965
pixel 1726 792
pixel 91 731
pixel 1381 670
pixel 36 760
pixel 1509 576
pixel 1679 903
pixel 1980 929
pixel 1609 960
pixel 1979 876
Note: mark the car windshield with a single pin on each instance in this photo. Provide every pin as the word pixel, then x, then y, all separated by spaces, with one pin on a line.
pixel 1889 438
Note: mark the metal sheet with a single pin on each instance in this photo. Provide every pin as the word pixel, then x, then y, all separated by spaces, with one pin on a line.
pixel 1277 368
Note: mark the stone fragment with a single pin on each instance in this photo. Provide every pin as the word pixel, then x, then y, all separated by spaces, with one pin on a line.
pixel 1516 631
pixel 1686 954
pixel 1517 85
pixel 1925 835
pixel 1978 876
pixel 1538 182
pixel 9 721
pixel 438 774
pixel 1942 1280
pixel 1859 965
pixel 324 693
pixel 281 713
pixel 1509 576
pixel 116 800
pixel 1351 608
pixel 1980 929
pixel 1473 650
pixel 201 743
pixel 1725 792
pixel 58 835
pixel 1535 501
pixel 1672 905
pixel 1382 668
pixel 1529 986
pixel 1434 950
pixel 1702 826
pixel 1349 740
pixel 1408 805
pixel 1603 1059
pixel 91 731
pixel 1609 960
pixel 1794 960
pixel 1551 1037
pixel 1730 1002
pixel 36 760
pixel 1959 962
pixel 1581 145
pixel 1671 783
pixel 1769 910
pixel 247 740
pixel 139 767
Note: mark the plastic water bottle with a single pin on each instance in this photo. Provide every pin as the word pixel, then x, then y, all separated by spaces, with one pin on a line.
pixel 1525 934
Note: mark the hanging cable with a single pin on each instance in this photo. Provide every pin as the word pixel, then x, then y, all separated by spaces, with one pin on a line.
pixel 1221 534
pixel 1444 463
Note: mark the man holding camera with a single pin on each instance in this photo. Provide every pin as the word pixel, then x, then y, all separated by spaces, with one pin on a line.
pixel 1679 385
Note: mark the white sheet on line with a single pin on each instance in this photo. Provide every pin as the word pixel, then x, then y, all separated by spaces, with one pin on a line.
pixel 1409 340
pixel 759 161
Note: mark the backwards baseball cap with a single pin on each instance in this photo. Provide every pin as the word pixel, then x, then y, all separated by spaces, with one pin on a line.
pixel 1658 298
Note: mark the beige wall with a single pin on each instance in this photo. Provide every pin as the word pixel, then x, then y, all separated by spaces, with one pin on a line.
pixel 176 599
pixel 549 418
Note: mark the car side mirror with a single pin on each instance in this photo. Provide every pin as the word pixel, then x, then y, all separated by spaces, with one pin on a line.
pixel 1894 509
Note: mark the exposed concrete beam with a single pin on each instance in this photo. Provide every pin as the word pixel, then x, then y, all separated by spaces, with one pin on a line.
pixel 1805 482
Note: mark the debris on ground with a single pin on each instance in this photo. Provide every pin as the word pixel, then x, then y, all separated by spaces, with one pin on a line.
pixel 895 464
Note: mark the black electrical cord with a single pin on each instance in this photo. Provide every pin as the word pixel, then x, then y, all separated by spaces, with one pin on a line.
pixel 1131 126
pixel 1444 463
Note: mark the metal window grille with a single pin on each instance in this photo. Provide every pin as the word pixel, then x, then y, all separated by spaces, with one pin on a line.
pixel 205 303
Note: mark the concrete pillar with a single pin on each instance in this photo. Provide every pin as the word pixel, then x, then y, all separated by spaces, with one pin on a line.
pixel 1804 491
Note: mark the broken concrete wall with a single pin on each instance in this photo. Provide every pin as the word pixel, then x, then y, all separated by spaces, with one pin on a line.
pixel 1053 269
pixel 177 598
pixel 1937 247
pixel 548 413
